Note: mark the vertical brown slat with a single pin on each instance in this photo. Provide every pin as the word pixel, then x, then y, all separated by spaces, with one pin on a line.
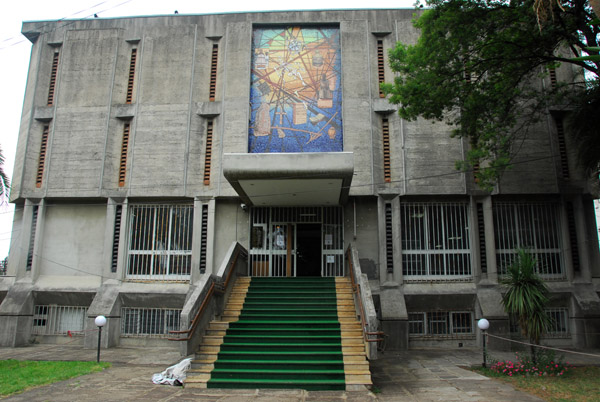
pixel 116 238
pixel 204 239
pixel 389 243
pixel 42 158
pixel 573 237
pixel 380 66
pixel 53 75
pixel 213 73
pixel 123 159
pixel 208 154
pixel 131 78
pixel 481 231
pixel 32 238
pixel 385 131
pixel 553 81
pixel 562 147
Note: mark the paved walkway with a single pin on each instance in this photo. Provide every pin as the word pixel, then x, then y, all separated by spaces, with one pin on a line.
pixel 415 375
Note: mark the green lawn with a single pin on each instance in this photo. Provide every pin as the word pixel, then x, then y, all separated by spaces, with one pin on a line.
pixel 17 376
pixel 578 384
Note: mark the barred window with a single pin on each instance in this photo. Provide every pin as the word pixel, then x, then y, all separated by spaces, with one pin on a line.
pixel 445 324
pixel 535 227
pixel 149 322
pixel 58 320
pixel 435 241
pixel 559 326
pixel 160 242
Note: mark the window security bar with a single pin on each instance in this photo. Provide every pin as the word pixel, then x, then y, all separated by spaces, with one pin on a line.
pixel 160 242
pixel 435 241
pixel 149 322
pixel 535 227
pixel 58 320
pixel 441 324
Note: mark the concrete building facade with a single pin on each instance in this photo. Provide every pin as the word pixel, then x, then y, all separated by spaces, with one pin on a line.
pixel 149 145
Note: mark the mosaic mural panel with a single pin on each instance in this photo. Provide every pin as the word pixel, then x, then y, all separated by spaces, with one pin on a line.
pixel 295 94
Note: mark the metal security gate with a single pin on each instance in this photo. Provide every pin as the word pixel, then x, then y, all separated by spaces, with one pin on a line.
pixel 283 240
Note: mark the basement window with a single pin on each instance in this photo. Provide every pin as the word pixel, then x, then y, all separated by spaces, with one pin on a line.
pixel 58 320
pixel 441 324
pixel 149 322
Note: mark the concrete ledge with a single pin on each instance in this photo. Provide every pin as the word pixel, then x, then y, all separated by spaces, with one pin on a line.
pixel 316 178
pixel 43 113
pixel 209 109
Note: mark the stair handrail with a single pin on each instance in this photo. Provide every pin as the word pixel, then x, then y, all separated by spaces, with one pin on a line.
pixel 215 284
pixel 354 271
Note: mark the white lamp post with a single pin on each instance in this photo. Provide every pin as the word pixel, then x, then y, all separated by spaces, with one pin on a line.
pixel 483 325
pixel 100 321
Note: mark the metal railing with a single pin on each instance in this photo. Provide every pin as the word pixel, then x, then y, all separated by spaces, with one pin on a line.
pixel 355 272
pixel 198 304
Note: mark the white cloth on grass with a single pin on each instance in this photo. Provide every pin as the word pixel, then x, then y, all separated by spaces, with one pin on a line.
pixel 174 375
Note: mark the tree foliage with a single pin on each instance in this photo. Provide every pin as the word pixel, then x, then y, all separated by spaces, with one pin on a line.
pixel 526 296
pixel 475 67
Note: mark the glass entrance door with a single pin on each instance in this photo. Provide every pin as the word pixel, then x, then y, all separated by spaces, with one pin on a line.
pixel 296 241
pixel 283 246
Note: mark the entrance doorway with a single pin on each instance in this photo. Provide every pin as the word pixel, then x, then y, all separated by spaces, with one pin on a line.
pixel 296 241
pixel 308 249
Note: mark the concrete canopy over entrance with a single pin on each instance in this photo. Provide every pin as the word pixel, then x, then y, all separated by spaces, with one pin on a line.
pixel 286 179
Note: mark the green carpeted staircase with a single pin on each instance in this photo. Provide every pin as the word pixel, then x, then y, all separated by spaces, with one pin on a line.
pixel 284 333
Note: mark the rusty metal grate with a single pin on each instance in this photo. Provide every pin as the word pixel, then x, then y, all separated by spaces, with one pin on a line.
pixel 553 81
pixel 380 66
pixel 131 76
pixel 562 147
pixel 573 236
pixel 42 158
pixel 389 242
pixel 213 73
pixel 481 232
pixel 204 239
pixel 387 166
pixel 34 219
pixel 116 238
pixel 208 154
pixel 53 74
pixel 123 160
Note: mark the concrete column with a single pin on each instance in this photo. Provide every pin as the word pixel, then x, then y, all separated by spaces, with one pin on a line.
pixel 398 277
pixel 109 231
pixel 18 254
pixel 38 241
pixel 383 274
pixel 123 242
pixel 581 223
pixel 565 241
pixel 490 241
pixel 210 241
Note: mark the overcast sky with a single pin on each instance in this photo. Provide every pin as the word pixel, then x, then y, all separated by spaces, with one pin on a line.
pixel 15 49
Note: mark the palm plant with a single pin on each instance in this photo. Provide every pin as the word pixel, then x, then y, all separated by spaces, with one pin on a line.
pixel 526 297
pixel 4 180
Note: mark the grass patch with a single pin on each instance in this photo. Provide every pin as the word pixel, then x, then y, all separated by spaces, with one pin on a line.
pixel 18 376
pixel 577 384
